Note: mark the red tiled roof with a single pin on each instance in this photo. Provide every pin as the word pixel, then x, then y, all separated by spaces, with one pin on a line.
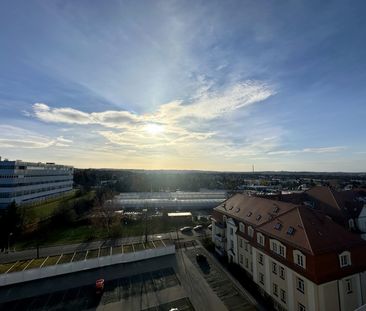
pixel 253 210
pixel 314 232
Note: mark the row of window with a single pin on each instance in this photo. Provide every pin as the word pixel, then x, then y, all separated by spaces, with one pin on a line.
pixel 27 192
pixel 32 183
pixel 45 174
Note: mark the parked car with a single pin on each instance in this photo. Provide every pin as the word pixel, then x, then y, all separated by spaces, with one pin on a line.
pixel 185 229
pixel 198 228
pixel 209 227
pixel 201 258
pixel 99 287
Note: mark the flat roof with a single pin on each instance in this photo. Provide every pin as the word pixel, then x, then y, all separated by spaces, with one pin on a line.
pixel 180 214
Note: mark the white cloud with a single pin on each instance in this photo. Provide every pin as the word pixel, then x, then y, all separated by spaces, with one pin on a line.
pixel 309 150
pixel 16 137
pixel 186 128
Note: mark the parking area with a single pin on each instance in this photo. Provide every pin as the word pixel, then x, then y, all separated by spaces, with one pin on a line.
pixel 223 287
pixel 183 304
pixel 84 298
pixel 23 265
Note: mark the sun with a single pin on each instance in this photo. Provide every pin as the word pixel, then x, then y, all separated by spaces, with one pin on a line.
pixel 154 129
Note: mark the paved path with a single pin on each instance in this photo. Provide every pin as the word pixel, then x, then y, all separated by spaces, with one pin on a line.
pixel 70 248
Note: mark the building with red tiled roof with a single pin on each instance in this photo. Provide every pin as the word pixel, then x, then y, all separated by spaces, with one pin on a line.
pixel 297 255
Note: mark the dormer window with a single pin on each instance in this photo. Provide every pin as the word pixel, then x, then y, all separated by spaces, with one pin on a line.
pixel 241 227
pixel 278 226
pixel 249 214
pixel 260 239
pixel 299 259
pixel 291 231
pixel 258 217
pixel 345 259
pixel 250 231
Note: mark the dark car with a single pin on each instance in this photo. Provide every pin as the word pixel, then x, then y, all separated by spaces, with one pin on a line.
pixel 201 258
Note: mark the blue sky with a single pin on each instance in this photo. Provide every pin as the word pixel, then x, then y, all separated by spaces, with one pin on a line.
pixel 213 85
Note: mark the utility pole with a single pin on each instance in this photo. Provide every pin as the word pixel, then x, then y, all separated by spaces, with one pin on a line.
pixel 10 234
pixel 145 210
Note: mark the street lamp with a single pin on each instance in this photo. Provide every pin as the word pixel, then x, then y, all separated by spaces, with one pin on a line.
pixel 10 234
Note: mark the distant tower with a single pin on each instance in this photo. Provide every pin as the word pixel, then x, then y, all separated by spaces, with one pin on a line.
pixel 253 168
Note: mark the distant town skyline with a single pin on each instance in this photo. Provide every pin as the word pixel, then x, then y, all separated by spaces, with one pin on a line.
pixel 193 85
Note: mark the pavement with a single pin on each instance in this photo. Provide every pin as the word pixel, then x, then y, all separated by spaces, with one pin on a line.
pixel 155 284
pixel 71 248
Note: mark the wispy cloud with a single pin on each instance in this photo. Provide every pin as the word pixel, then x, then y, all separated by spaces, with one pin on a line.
pixel 179 121
pixel 309 150
pixel 16 137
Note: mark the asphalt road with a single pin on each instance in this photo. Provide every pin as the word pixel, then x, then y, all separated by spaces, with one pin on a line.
pixel 70 248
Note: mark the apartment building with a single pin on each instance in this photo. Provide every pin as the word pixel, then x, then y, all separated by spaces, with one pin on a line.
pixel 26 182
pixel 297 256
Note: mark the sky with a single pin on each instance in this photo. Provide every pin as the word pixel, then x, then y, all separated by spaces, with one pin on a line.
pixel 198 85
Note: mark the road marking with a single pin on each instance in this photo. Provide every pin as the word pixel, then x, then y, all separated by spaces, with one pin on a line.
pixel 86 255
pixel 28 264
pixel 12 267
pixel 73 257
pixel 44 262
pixel 59 259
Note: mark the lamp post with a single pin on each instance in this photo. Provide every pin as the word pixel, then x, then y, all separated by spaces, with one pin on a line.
pixel 10 234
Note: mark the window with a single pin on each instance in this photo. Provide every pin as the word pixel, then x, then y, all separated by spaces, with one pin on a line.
pixel 258 217
pixel 224 219
pixel 250 231
pixel 291 230
pixel 281 250
pixel 278 226
pixel 231 231
pixel 345 259
pixel 260 259
pixel 275 289
pixel 251 266
pixel 241 227
pixel 282 273
pixel 274 267
pixel 300 285
pixel 260 239
pixel 231 244
pixel 349 286
pixel 283 296
pixel 241 243
pixel 301 307
pixel 246 246
pixel 278 248
pixel 299 259
pixel 246 263
pixel 249 214
pixel 261 278
pixel 274 246
pixel 241 259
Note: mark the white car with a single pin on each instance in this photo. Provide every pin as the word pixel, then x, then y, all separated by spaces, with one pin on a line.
pixel 198 228
pixel 185 229
pixel 209 227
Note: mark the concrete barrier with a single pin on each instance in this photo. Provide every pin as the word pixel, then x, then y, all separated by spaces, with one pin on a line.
pixel 45 272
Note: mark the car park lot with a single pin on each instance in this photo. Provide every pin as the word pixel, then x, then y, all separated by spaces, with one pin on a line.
pixel 173 281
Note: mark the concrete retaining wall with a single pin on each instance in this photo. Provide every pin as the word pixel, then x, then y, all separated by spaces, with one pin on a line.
pixel 45 272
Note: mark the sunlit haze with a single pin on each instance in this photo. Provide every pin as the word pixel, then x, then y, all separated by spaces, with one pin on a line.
pixel 209 85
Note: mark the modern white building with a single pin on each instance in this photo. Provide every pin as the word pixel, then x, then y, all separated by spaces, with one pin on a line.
pixel 297 256
pixel 27 182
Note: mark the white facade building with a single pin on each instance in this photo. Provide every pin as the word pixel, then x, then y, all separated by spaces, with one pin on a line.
pixel 299 258
pixel 26 182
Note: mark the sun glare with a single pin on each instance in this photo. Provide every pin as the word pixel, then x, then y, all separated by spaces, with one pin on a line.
pixel 154 129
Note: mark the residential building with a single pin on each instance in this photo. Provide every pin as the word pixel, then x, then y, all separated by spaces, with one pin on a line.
pixel 298 256
pixel 27 182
